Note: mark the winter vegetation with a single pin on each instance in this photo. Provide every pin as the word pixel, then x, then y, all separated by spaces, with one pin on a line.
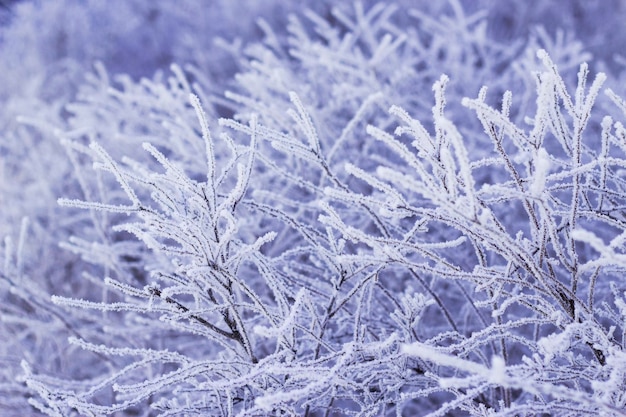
pixel 317 208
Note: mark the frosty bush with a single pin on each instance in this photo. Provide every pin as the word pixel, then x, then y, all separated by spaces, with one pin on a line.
pixel 339 242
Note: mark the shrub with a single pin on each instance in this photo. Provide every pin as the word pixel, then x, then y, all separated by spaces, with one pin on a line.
pixel 337 243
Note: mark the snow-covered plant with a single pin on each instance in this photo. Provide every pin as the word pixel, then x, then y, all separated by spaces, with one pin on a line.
pixel 436 281
pixel 339 242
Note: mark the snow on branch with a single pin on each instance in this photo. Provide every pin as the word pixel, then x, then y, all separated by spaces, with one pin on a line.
pixel 326 239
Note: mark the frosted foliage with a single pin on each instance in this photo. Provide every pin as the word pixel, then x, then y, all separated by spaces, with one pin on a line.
pixel 306 217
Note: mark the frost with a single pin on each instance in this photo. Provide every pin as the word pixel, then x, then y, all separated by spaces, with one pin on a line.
pixel 345 231
pixel 542 167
